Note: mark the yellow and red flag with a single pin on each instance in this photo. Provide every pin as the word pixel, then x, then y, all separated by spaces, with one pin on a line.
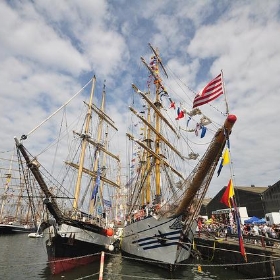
pixel 228 194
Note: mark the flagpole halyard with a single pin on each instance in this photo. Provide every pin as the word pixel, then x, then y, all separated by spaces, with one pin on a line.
pixel 224 90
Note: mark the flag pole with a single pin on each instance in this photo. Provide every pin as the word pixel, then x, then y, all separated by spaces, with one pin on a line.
pixel 224 90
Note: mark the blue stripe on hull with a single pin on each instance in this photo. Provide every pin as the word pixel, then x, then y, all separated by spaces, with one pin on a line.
pixel 177 232
pixel 166 245
pixel 156 241
pixel 152 242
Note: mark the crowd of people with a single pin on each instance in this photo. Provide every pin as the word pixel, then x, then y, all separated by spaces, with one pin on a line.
pixel 226 230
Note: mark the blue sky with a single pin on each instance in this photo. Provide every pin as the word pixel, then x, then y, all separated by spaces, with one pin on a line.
pixel 50 49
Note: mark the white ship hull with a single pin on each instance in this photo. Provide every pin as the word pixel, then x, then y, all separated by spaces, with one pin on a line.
pixel 162 240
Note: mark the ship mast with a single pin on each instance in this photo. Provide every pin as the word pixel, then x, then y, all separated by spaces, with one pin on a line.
pixel 4 197
pixel 148 183
pixel 152 157
pixel 99 134
pixel 157 81
pixel 84 145
pixel 157 140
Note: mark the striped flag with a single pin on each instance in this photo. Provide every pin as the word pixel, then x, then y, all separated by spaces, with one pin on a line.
pixel 107 203
pixel 97 184
pixel 240 236
pixel 212 90
pixel 239 230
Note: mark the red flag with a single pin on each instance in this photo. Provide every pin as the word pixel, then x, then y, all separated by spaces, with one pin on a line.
pixel 172 105
pixel 239 231
pixel 213 90
pixel 228 194
pixel 180 114
pixel 241 243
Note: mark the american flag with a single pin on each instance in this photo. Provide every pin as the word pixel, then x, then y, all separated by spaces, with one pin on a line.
pixel 212 90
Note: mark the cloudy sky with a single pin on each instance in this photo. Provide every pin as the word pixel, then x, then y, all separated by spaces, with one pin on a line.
pixel 50 49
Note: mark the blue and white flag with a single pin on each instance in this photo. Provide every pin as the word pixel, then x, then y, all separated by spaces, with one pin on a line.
pixel 97 184
pixel 107 203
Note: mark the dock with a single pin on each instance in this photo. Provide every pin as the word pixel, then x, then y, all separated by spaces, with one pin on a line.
pixel 263 254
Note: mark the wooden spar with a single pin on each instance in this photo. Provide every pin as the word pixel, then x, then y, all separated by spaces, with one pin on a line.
pixel 100 146
pixel 93 174
pixel 159 60
pixel 156 132
pixel 102 115
pixel 84 144
pixel 155 109
pixel 154 155
pixel 210 158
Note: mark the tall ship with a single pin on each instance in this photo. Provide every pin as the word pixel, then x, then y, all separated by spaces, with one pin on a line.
pixel 163 200
pixel 16 214
pixel 75 220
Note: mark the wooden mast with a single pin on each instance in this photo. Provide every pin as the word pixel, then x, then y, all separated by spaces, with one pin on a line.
pixel 84 145
pixel 157 139
pixel 157 81
pixel 148 183
pixel 155 129
pixel 97 159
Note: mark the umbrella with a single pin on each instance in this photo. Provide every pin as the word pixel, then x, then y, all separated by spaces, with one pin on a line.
pixel 260 221
pixel 252 220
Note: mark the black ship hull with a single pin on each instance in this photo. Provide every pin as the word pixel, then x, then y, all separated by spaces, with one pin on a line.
pixel 71 247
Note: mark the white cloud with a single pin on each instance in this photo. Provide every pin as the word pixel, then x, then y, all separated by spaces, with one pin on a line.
pixel 30 38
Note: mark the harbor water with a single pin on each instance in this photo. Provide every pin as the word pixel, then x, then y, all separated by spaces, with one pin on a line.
pixel 23 258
